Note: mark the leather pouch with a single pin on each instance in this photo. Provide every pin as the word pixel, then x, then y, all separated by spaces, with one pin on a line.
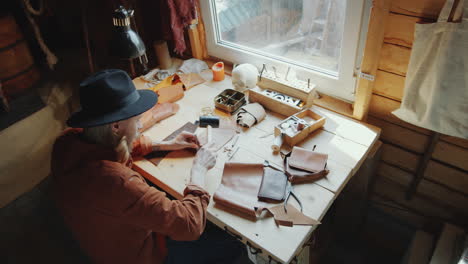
pixel 296 175
pixel 273 186
pixel 239 187
pixel 307 160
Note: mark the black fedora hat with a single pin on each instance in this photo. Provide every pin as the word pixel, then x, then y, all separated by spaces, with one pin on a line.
pixel 110 96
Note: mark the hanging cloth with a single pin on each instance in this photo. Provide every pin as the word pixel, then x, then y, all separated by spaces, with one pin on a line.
pixel 182 12
pixel 436 85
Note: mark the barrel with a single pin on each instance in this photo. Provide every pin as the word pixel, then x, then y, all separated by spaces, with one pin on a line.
pixel 18 72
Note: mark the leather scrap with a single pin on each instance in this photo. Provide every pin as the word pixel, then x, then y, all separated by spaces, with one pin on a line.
pixel 250 115
pixel 157 113
pixel 219 137
pixel 157 157
pixel 170 94
pixel 189 80
pixel 291 217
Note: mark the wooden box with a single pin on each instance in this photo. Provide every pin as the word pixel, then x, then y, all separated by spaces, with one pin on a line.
pixel 300 91
pixel 310 120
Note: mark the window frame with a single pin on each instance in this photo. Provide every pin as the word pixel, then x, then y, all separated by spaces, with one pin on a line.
pixel 351 50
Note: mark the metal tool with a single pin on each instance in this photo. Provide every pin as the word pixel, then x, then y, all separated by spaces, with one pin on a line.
pixel 274 70
pixel 231 147
pixel 232 153
pixel 289 192
pixel 287 72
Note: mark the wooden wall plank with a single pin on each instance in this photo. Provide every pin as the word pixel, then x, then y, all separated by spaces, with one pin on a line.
pixel 419 8
pixel 456 141
pixel 428 189
pixel 400 158
pixel 389 85
pixel 395 174
pixel 400 29
pixel 383 107
pixel 453 178
pixel 394 59
pixel 444 195
pixel 451 154
pixel 400 136
pixel 394 191
pixel 407 216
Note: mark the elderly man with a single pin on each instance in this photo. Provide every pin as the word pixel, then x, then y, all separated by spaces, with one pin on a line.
pixel 111 210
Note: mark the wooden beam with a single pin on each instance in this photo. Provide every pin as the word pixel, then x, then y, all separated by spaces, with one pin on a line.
pixel 201 33
pixel 423 165
pixel 370 62
pixel 195 44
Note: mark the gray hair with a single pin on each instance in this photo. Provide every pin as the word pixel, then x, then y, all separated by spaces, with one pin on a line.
pixel 103 135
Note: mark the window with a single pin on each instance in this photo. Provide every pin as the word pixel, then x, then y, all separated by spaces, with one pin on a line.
pixel 317 38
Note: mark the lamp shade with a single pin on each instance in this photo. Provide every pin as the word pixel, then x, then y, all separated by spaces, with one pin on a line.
pixel 125 43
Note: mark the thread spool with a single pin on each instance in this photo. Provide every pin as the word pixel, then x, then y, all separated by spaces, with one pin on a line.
pixel 205 121
pixel 277 143
pixel 218 71
pixel 162 54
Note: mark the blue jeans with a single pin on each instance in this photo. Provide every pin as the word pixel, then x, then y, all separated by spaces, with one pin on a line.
pixel 213 246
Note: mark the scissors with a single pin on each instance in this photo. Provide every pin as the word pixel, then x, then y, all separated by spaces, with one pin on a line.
pixel 289 193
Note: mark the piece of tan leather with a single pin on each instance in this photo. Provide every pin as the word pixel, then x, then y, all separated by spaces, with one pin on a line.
pixel 250 115
pixel 219 137
pixel 307 160
pixel 170 94
pixel 291 217
pixel 239 187
pixel 190 80
pixel 158 156
pixel 273 186
pixel 157 113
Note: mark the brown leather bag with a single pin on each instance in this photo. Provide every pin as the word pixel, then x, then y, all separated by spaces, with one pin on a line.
pixel 302 165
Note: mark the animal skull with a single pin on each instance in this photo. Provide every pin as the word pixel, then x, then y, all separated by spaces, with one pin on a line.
pixel 244 76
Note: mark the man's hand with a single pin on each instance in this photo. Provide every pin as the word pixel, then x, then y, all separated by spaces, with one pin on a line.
pixel 204 160
pixel 182 141
pixel 185 140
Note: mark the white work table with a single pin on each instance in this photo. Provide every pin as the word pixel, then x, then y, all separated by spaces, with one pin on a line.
pixel 346 141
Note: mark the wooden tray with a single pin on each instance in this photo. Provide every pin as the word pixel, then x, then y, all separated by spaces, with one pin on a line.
pixel 311 121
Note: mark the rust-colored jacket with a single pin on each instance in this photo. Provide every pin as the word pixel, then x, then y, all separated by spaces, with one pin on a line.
pixel 112 212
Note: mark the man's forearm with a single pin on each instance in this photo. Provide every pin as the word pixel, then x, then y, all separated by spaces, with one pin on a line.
pixel 197 175
pixel 162 145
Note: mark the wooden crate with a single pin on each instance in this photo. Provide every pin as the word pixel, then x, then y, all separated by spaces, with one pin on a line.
pixel 313 122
